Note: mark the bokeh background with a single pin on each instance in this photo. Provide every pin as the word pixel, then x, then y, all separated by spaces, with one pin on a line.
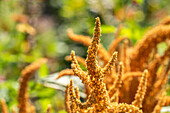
pixel 31 29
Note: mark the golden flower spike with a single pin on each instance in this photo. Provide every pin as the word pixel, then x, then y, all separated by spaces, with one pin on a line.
pixel 125 56
pixel 23 97
pixel 78 71
pixel 73 104
pixel 135 60
pixel 95 74
pixel 33 67
pixel 117 33
pixel 163 80
pixel 141 52
pixel 160 103
pixel 64 73
pixel 67 100
pixel 69 72
pixel 81 60
pixel 4 107
pixel 115 44
pixel 98 101
pixel 85 40
pixel 77 93
pixel 141 90
pixel 154 66
pixel 117 83
pixel 115 98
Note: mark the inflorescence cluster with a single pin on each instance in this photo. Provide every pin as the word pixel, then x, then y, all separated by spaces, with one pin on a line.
pixel 133 82
pixel 131 62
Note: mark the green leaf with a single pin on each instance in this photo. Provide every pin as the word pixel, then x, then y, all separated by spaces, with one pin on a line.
pixel 139 1
pixel 43 71
pixel 162 47
pixel 107 29
pixel 62 111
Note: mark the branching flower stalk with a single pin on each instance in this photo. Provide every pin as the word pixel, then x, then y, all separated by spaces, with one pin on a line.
pixel 129 89
pixel 135 60
pixel 99 101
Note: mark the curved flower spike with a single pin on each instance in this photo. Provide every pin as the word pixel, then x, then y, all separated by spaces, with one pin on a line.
pixel 109 65
pixel 125 108
pixel 25 76
pixel 65 72
pixel 67 99
pixel 74 60
pixel 91 61
pixel 117 83
pixel 78 71
pixel 160 103
pixel 77 93
pixel 76 103
pixel 141 90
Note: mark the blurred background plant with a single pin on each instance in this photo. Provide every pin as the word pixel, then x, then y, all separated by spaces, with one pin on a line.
pixel 31 29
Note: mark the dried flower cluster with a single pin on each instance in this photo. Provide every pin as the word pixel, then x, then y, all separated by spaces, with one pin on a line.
pixel 135 59
pixel 132 84
pixel 99 101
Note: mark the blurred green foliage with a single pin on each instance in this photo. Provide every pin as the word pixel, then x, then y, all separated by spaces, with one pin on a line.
pixel 32 29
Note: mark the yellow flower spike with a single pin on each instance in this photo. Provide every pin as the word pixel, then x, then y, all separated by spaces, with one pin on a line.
pixel 98 100
pixel 141 52
pixel 115 43
pixel 117 83
pixel 110 64
pixel 81 60
pixel 78 71
pixel 77 93
pixel 160 103
pixel 65 72
pixel 67 100
pixel 23 97
pixel 141 90
pixel 91 61
pixel 86 40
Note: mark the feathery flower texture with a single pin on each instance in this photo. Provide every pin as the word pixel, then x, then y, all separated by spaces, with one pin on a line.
pixel 99 101
pixel 134 60
pixel 124 89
